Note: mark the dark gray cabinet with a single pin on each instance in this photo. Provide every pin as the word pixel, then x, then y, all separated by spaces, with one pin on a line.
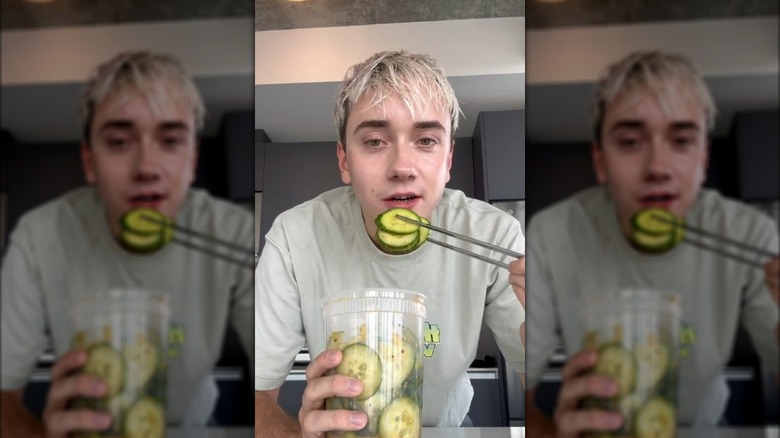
pixel 261 139
pixel 236 135
pixel 758 155
pixel 499 155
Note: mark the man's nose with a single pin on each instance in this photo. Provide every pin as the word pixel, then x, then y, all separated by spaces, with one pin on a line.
pixel 658 163
pixel 147 163
pixel 402 165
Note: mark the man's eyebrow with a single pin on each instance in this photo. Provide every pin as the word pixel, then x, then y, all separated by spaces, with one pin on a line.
pixel 429 124
pixel 685 125
pixel 174 125
pixel 116 124
pixel 627 124
pixel 371 124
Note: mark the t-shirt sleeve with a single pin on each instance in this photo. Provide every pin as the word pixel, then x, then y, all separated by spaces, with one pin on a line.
pixel 759 312
pixel 279 332
pixel 22 311
pixel 503 312
pixel 541 327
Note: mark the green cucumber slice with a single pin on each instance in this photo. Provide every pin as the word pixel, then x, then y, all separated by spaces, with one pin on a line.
pixel 398 360
pixel 106 363
pixel 424 232
pixel 361 362
pixel 142 358
pixel 618 364
pixel 653 360
pixel 140 242
pixel 656 419
pixel 651 242
pixel 389 223
pixel 145 419
pixel 647 220
pixel 400 419
pixel 136 221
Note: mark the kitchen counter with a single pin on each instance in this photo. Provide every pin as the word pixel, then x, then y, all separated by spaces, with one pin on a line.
pixel 492 432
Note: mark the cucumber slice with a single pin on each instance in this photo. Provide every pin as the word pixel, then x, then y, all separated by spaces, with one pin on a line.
pixel 618 364
pixel 424 232
pixel 652 358
pixel 389 223
pixel 398 244
pixel 142 358
pixel 145 419
pixel 141 242
pixel 106 363
pixel 655 221
pixel 398 360
pixel 651 242
pixel 143 221
pixel 656 419
pixel 400 419
pixel 361 362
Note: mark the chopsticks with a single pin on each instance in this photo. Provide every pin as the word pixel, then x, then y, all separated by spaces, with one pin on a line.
pixel 229 245
pixel 760 252
pixel 465 238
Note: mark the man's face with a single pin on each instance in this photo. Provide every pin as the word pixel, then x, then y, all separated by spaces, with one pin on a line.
pixel 138 157
pixel 650 157
pixel 395 160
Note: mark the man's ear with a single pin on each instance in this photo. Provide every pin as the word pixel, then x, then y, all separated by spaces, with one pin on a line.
pixel 87 163
pixel 341 153
pixel 599 168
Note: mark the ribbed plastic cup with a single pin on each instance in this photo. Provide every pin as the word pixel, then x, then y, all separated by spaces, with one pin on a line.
pixel 125 335
pixel 380 335
pixel 636 334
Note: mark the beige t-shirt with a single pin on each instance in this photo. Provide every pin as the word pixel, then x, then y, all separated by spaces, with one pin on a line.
pixel 64 248
pixel 321 247
pixel 576 250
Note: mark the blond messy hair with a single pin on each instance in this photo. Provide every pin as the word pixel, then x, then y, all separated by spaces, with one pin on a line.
pixel 155 76
pixel 418 79
pixel 667 76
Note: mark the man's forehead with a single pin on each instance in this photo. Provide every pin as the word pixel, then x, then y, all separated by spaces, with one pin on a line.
pixel 371 103
pixel 637 103
pixel 135 103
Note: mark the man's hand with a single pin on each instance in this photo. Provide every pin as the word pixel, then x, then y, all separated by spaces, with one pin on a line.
pixel 315 421
pixel 772 278
pixel 517 280
pixel 59 420
pixel 570 421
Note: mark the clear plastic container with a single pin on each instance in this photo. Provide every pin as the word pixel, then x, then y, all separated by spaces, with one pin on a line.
pixel 380 335
pixel 636 333
pixel 125 335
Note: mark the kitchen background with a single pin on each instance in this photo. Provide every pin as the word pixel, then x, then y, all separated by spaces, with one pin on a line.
pixel 735 46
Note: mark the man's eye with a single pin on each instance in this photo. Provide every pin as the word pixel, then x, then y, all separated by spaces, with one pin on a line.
pixel 627 142
pixel 373 142
pixel 428 141
pixel 116 142
pixel 684 142
pixel 172 141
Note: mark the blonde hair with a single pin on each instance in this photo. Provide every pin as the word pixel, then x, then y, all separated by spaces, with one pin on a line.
pixel 155 76
pixel 667 76
pixel 418 79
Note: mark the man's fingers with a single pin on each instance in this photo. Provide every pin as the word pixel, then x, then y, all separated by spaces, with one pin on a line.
pixel 574 390
pixel 65 389
pixel 68 363
pixel 325 361
pixel 572 423
pixel 323 421
pixel 319 389
pixel 64 422
pixel 517 278
pixel 579 363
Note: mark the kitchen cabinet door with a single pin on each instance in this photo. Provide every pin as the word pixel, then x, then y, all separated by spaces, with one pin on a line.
pixel 499 155
pixel 758 155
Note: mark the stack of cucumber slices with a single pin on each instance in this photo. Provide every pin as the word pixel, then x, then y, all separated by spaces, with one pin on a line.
pixel 656 230
pixel 398 236
pixel 145 230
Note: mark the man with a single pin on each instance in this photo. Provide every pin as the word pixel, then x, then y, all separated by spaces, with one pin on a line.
pixel 140 116
pixel 396 116
pixel 652 117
